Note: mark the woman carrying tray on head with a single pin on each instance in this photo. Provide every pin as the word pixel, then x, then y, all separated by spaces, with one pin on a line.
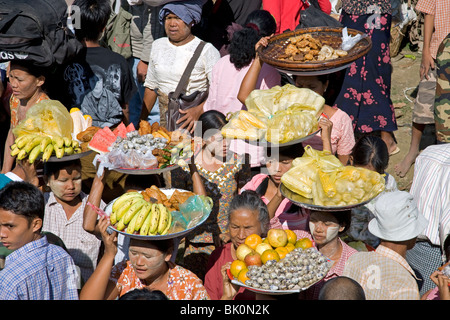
pixel 149 267
pixel 325 230
pixel 337 136
pixel 27 82
pixel 247 214
pixel 223 173
pixel 366 91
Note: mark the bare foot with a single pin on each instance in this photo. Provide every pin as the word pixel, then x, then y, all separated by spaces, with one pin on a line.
pixel 402 168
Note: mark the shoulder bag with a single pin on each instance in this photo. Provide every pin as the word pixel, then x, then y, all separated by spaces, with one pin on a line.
pixel 178 99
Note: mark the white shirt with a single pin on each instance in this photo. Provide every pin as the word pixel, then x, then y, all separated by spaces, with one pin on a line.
pixel 167 63
pixel 431 190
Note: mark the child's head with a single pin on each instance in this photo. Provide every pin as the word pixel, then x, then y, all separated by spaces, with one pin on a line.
pixel 64 179
pixel 22 209
pixel 318 84
pixel 279 159
pixel 94 15
pixel 370 152
pixel 211 123
pixel 259 23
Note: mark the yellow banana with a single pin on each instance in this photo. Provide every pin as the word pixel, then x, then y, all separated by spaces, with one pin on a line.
pixel 67 142
pixel 15 151
pixel 132 225
pixel 120 225
pixel 143 231
pixel 77 150
pixel 163 218
pixel 113 218
pixel 23 140
pixel 45 142
pixel 154 219
pixel 13 146
pixel 143 213
pixel 135 207
pixel 126 206
pixel 22 154
pixel 119 201
pixel 47 152
pixel 33 143
pixel 75 144
pixel 59 152
pixel 169 224
pixel 68 150
pixel 58 141
pixel 34 153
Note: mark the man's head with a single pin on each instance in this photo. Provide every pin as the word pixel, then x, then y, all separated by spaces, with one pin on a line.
pixel 341 288
pixel 21 214
pixel 397 218
pixel 94 15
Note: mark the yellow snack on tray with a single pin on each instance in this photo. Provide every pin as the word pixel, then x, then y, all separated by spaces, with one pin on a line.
pixel 290 124
pixel 244 125
pixel 320 176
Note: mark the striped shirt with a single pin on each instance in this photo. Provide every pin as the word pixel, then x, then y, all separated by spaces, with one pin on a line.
pixel 82 246
pixel 441 12
pixel 383 274
pixel 431 190
pixel 38 271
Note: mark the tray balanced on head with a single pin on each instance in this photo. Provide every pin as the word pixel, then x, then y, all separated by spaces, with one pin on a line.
pixel 275 52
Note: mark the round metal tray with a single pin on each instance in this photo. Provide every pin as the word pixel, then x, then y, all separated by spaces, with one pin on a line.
pixel 308 203
pixel 328 36
pixel 168 193
pixel 71 157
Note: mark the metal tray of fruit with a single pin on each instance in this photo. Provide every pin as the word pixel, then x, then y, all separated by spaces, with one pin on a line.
pixel 308 203
pixel 147 171
pixel 295 268
pixel 181 233
pixel 71 157
pixel 327 36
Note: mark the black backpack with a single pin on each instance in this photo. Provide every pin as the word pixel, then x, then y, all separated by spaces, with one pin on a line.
pixel 313 16
pixel 36 31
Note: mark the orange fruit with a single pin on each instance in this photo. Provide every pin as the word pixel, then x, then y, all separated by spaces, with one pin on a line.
pixel 266 240
pixel 277 237
pixel 253 240
pixel 242 277
pixel 282 251
pixel 236 267
pixel 270 254
pixel 292 237
pixel 304 243
pixel 290 246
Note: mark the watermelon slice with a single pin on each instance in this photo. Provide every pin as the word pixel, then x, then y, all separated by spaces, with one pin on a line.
pixel 101 140
pixel 120 130
pixel 131 127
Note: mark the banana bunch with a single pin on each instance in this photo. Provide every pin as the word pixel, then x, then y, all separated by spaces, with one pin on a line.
pixel 132 213
pixel 33 145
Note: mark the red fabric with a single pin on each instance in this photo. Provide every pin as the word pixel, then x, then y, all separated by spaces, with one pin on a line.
pixel 213 279
pixel 287 12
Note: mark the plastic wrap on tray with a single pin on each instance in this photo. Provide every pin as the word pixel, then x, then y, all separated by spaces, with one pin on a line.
pixel 320 176
pixel 245 125
pixel 290 124
pixel 278 98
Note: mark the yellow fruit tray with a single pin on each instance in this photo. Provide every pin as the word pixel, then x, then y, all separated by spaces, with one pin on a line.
pixel 168 193
pixel 308 203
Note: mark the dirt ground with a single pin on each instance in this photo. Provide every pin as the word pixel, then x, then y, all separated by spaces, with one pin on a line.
pixel 405 78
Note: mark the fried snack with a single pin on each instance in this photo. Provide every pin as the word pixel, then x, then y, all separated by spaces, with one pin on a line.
pixel 144 128
pixel 305 47
pixel 86 135
pixel 154 192
pixel 155 126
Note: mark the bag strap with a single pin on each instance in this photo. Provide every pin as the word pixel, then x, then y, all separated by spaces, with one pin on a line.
pixel 187 72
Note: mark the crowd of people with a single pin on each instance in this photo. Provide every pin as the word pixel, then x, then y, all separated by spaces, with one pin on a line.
pixel 53 245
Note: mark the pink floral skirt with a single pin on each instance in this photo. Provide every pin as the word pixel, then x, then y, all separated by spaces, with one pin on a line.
pixel 366 91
